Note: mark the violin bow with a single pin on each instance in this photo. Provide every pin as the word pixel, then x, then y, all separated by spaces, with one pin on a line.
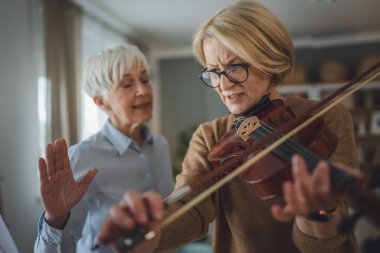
pixel 292 128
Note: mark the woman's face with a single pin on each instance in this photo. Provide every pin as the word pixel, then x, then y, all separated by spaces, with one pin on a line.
pixel 238 97
pixel 130 100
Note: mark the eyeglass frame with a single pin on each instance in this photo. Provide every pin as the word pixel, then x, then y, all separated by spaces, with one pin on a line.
pixel 224 72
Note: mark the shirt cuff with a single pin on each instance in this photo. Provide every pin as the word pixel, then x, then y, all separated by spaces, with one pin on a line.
pixel 48 233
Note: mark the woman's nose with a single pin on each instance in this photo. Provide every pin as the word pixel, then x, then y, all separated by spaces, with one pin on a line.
pixel 142 89
pixel 225 83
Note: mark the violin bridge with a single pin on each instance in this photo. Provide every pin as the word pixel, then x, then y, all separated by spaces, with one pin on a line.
pixel 247 127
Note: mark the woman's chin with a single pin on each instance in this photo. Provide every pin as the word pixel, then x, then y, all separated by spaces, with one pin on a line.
pixel 236 109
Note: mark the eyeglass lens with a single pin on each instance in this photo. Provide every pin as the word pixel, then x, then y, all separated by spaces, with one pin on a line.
pixel 235 73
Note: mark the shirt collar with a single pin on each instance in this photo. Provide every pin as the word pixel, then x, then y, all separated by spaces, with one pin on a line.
pixel 120 141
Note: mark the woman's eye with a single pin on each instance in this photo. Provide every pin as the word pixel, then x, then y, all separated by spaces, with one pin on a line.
pixel 126 85
pixel 234 68
pixel 145 81
pixel 215 70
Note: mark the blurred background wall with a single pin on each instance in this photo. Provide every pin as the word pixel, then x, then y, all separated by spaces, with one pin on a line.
pixel 19 146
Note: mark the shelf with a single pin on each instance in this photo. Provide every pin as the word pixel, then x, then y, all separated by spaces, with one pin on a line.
pixel 368 166
pixel 365 109
pixel 314 91
pixel 336 40
pixel 371 138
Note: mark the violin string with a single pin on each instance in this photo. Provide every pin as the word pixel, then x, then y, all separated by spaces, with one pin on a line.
pixel 339 178
pixel 290 147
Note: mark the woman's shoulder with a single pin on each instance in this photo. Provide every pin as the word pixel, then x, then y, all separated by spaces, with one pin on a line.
pixel 299 105
pixel 210 132
pixel 338 118
pixel 159 139
pixel 217 125
pixel 87 146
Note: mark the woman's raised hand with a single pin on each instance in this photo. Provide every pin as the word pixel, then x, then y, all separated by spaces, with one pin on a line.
pixel 59 190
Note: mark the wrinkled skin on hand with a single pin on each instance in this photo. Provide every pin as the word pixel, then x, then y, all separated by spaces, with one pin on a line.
pixel 59 190
pixel 309 192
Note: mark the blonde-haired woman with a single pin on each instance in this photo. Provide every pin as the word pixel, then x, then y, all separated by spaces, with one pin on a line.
pixel 246 53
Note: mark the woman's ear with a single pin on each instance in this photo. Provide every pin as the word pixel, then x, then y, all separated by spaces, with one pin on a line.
pixel 101 102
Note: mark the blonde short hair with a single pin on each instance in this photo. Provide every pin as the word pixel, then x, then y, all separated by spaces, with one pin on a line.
pixel 253 33
pixel 108 66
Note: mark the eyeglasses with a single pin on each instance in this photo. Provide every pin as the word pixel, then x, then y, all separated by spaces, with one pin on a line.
pixel 236 73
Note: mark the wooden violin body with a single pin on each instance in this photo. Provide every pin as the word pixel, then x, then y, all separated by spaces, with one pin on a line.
pixel 266 176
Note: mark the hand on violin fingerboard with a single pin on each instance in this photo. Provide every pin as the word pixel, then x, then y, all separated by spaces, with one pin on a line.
pixel 308 193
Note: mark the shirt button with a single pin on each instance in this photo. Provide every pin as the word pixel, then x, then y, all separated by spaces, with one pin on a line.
pixel 141 155
pixel 147 175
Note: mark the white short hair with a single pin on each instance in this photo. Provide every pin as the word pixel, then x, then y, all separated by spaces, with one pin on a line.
pixel 108 66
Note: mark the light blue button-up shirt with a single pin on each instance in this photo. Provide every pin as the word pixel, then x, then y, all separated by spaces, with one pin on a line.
pixel 122 165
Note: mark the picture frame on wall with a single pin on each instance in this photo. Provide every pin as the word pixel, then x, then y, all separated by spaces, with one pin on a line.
pixel 375 122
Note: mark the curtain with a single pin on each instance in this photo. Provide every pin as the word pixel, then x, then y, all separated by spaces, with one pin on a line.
pixel 62 25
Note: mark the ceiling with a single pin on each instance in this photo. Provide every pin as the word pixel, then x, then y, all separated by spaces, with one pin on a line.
pixel 164 24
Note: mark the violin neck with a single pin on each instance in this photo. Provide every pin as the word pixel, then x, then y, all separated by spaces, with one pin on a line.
pixel 340 180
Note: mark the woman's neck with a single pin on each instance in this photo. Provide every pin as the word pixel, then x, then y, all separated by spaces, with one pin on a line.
pixel 274 94
pixel 133 131
pixel 265 101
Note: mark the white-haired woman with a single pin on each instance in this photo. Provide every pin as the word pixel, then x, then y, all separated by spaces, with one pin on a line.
pixel 125 153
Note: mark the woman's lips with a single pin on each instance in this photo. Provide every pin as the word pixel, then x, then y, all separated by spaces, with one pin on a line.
pixel 234 97
pixel 142 105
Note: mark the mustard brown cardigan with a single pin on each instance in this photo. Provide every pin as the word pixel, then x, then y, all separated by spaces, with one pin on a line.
pixel 242 222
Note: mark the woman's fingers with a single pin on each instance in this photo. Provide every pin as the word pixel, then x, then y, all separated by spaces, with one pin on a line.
pixel 350 171
pixel 64 152
pixel 60 155
pixel 144 208
pixel 134 210
pixel 42 169
pixel 57 157
pixel 321 181
pixel 302 195
pixel 87 179
pixel 122 216
pixel 296 202
pixel 155 204
pixel 49 153
pixel 282 214
pixel 135 203
pixel 313 190
pixel 118 220
pixel 309 191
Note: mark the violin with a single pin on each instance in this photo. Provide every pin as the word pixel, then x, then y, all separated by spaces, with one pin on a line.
pixel 266 176
pixel 266 132
pixel 265 170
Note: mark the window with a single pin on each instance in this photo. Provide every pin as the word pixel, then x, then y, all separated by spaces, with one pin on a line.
pixel 95 36
pixel 43 107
